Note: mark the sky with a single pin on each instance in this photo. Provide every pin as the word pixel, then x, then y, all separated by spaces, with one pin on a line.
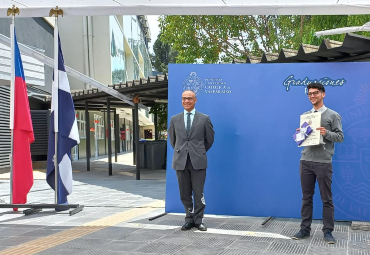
pixel 154 29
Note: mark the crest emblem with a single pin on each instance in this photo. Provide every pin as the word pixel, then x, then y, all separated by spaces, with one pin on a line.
pixel 194 83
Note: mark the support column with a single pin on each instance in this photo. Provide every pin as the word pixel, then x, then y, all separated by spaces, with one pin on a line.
pixel 133 136
pixel 87 130
pixel 109 138
pixel 137 136
pixel 116 140
pixel 155 126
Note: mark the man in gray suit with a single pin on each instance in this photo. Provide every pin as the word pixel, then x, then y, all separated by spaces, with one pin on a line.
pixel 191 135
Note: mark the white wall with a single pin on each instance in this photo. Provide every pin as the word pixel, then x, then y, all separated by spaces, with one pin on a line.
pixel 101 45
pixel 71 36
pixel 71 33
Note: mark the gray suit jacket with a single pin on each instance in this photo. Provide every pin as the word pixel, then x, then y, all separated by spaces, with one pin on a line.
pixel 196 145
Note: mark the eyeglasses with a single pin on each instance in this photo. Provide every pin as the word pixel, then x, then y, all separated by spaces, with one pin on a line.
pixel 187 98
pixel 315 93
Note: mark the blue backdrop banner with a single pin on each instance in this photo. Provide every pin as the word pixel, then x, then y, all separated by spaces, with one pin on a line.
pixel 253 166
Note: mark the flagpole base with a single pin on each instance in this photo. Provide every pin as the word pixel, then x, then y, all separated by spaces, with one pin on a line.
pixel 77 210
pixel 35 208
pixel 31 211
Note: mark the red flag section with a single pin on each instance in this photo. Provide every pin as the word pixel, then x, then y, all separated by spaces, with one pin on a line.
pixel 22 136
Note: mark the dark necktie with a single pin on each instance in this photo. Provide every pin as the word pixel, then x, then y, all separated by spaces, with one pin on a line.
pixel 188 124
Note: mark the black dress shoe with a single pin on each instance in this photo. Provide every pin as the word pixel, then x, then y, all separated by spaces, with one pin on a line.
pixel 187 226
pixel 201 227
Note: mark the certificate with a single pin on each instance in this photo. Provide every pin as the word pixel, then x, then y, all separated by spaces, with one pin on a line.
pixel 314 121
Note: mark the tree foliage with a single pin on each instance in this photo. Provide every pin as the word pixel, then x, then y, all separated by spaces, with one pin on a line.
pixel 163 55
pixel 161 111
pixel 215 38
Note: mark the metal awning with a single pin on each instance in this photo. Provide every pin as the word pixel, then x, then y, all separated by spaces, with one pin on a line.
pixel 38 93
pixel 150 90
pixel 147 90
pixel 353 48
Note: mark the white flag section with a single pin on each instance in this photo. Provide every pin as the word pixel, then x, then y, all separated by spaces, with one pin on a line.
pixel 67 133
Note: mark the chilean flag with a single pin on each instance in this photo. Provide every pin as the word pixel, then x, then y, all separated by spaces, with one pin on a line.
pixel 22 134
pixel 62 109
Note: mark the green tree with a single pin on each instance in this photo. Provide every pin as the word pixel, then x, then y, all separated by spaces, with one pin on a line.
pixel 163 55
pixel 215 38
pixel 161 111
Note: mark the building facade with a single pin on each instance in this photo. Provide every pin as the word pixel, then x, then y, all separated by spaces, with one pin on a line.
pixel 112 50
pixel 37 34
pixel 109 49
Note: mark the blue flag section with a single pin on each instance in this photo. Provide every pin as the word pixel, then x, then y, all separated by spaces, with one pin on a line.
pixel 253 166
pixel 68 136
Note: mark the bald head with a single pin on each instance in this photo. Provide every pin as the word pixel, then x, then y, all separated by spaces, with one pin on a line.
pixel 189 90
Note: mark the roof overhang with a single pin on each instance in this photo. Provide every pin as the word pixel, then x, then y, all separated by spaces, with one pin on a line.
pixel 149 90
pixel 354 47
pixel 41 8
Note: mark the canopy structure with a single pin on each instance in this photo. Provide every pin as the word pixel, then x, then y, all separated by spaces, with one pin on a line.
pixel 342 30
pixel 150 90
pixel 41 8
pixel 353 48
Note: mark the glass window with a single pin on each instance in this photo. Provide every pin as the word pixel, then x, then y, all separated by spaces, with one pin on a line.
pixel 112 129
pixel 81 123
pixel 117 51
pixel 99 126
pixel 135 38
pixel 127 20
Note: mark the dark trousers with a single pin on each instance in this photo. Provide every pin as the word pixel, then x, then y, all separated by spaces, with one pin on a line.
pixel 322 172
pixel 191 182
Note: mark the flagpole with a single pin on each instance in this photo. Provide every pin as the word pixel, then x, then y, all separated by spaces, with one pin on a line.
pixel 12 81
pixel 12 11
pixel 55 103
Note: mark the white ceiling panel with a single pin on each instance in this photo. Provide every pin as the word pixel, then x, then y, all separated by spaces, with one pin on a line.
pixel 41 8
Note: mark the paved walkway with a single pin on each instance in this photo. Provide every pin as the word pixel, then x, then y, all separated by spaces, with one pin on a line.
pixel 115 221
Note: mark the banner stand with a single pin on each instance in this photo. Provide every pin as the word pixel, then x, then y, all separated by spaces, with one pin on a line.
pixel 267 220
pixel 35 208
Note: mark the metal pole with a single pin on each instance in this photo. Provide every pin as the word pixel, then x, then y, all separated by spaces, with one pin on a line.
pixel 109 138
pixel 56 104
pixel 137 137
pixel 105 134
pixel 156 126
pixel 12 85
pixel 87 130
pixel 133 136
pixel 118 135
pixel 116 140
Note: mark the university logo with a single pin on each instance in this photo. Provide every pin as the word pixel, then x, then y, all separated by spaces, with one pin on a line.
pixel 193 82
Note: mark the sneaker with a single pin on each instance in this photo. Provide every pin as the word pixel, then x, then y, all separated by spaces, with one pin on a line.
pixel 329 238
pixel 301 234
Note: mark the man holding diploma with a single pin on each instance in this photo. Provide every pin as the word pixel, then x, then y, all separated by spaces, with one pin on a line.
pixel 316 164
